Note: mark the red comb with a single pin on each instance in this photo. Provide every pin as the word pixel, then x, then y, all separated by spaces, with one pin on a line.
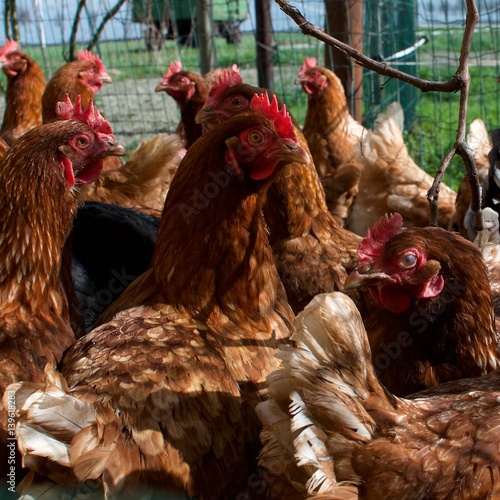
pixel 174 68
pixel 86 55
pixel 309 62
pixel 91 116
pixel 281 119
pixel 8 47
pixel 370 247
pixel 228 79
pixel 235 67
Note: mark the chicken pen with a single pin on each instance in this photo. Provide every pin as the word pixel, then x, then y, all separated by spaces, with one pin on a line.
pixel 421 37
pixel 176 325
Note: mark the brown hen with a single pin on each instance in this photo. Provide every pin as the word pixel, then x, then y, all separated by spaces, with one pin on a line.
pixel 333 135
pixel 312 253
pixel 164 394
pixel 331 430
pixel 23 99
pixel 82 77
pixel 435 319
pixel 35 223
pixel 189 90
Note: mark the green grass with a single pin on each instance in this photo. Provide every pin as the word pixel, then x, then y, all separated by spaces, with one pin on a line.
pixel 430 137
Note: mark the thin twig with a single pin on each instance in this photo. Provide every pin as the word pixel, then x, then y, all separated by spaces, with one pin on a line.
pixel 109 14
pixel 461 147
pixel 459 82
pixel 452 85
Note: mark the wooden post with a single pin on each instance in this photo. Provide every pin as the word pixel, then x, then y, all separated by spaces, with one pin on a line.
pixel 264 41
pixel 345 22
pixel 205 36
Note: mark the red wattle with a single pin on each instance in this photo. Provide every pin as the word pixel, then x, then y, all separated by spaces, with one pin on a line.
pixel 392 298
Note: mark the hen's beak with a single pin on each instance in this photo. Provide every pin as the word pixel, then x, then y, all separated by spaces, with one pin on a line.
pixel 293 152
pixel 361 278
pixel 204 115
pixel 105 78
pixel 115 149
pixel 161 87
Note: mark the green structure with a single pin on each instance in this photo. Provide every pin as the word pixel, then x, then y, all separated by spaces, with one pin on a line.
pixel 176 19
pixel 390 29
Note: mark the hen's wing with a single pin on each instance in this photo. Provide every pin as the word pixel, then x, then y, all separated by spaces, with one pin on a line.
pixel 392 181
pixel 166 420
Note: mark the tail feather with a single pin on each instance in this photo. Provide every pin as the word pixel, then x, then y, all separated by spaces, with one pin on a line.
pixel 318 397
pixel 479 141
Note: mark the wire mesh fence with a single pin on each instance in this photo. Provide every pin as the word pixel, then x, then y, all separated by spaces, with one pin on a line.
pixel 139 41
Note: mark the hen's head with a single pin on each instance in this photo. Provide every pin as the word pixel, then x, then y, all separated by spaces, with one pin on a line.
pixel 178 84
pixel 92 71
pixel 12 60
pixel 261 149
pixel 401 266
pixel 228 97
pixel 311 76
pixel 89 139
pixel 213 76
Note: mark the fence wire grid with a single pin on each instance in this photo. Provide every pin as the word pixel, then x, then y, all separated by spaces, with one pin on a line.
pixel 138 47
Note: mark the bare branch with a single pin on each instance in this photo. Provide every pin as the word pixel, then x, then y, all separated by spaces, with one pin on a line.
pixel 461 148
pixel 110 13
pixel 459 82
pixel 381 68
pixel 74 30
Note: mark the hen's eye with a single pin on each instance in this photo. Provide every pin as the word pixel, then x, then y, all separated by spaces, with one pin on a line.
pixel 82 142
pixel 408 261
pixel 237 102
pixel 255 137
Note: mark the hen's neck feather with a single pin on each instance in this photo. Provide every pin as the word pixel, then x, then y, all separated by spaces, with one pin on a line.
pixel 23 101
pixel 37 210
pixel 212 251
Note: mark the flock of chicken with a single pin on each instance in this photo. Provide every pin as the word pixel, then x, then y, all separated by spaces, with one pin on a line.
pixel 245 308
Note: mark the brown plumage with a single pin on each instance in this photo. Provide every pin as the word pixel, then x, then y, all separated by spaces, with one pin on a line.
pixel 166 390
pixel 143 181
pixel 311 251
pixel 392 182
pixel 34 315
pixel 333 135
pixel 23 99
pixel 189 90
pixel 435 319
pixel 82 77
pixel 331 430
